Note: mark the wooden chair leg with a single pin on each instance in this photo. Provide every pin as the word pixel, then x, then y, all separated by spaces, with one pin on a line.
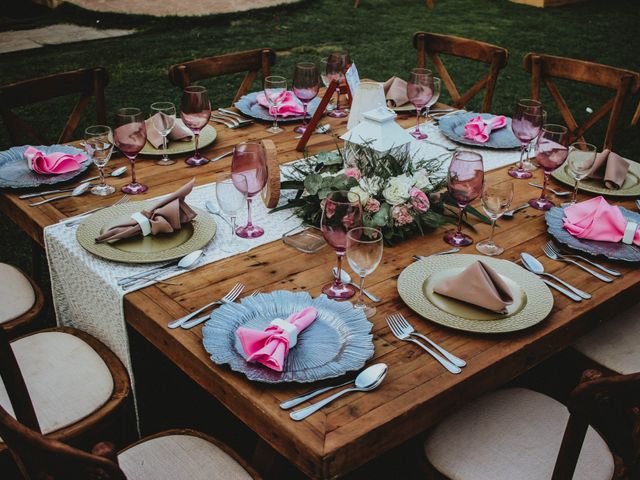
pixel 636 116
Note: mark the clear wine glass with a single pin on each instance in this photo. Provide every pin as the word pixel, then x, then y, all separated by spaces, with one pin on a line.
pixel 436 95
pixel 496 199
pixel 464 183
pixel 163 118
pixel 364 253
pixel 419 91
pixel 337 65
pixel 275 91
pixel 326 81
pixel 130 136
pixel 98 143
pixel 551 152
pixel 580 160
pixel 526 124
pixel 250 160
pixel 195 111
pixel 231 194
pixel 339 215
pixel 306 84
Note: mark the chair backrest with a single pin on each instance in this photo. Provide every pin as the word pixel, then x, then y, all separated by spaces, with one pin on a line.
pixel 252 61
pixel 543 68
pixel 87 82
pixel 433 44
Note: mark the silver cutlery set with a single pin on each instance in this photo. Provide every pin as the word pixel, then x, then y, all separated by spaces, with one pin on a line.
pixel 229 118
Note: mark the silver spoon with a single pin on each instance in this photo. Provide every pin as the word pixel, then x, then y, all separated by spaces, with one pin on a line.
pixel 213 209
pixel 557 193
pixel 118 172
pixel 76 192
pixel 369 379
pixel 346 278
pixel 321 129
pixel 444 252
pixel 532 264
pixel 47 192
pixel 182 264
pixel 509 213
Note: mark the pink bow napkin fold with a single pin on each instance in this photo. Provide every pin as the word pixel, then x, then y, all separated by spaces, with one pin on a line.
pixel 166 216
pixel 290 106
pixel 595 219
pixel 395 92
pixel 479 129
pixel 611 168
pixel 53 163
pixel 177 133
pixel 271 346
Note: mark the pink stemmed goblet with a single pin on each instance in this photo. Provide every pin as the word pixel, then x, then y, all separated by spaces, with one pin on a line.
pixel 306 83
pixel 551 152
pixel 195 111
pixel 250 160
pixel 464 183
pixel 339 215
pixel 526 124
pixel 337 65
pixel 130 136
pixel 419 92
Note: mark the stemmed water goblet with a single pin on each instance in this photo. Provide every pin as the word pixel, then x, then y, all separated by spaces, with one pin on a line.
pixel 326 81
pixel 419 91
pixel 163 118
pixel 275 91
pixel 496 199
pixel 364 252
pixel 464 183
pixel 250 160
pixel 195 111
pixel 130 136
pixel 306 84
pixel 526 124
pixel 341 212
pixel 580 160
pixel 436 95
pixel 551 152
pixel 98 143
pixel 231 194
pixel 337 64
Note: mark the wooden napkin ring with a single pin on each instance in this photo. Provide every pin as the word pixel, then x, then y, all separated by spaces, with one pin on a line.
pixel 271 192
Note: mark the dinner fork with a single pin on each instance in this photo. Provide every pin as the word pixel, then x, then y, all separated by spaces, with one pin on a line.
pixel 204 318
pixel 401 334
pixel 557 251
pixel 229 297
pixel 79 218
pixel 231 115
pixel 550 252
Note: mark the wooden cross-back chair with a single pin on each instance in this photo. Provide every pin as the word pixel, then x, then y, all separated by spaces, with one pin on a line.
pixel 88 83
pixel 252 62
pixel 544 68
pixel 434 44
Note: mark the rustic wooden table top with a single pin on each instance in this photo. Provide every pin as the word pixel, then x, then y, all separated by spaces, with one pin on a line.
pixel 417 391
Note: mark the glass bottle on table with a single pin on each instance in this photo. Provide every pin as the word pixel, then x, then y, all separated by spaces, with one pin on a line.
pixel 580 160
pixel 306 84
pixel 551 152
pixel 195 111
pixel 419 92
pixel 496 200
pixel 163 118
pixel 526 123
pixel 250 160
pixel 130 136
pixel 364 253
pixel 275 91
pixel 98 143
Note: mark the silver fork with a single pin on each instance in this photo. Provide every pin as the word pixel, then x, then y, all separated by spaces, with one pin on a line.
pixel 550 252
pixel 557 193
pixel 403 335
pixel 82 216
pixel 445 252
pixel 204 318
pixel 224 120
pixel 229 114
pixel 408 328
pixel 610 271
pixel 229 297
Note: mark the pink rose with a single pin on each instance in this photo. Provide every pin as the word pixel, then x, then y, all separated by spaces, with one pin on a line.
pixel 419 200
pixel 477 130
pixel 353 172
pixel 401 215
pixel 372 205
pixel 328 207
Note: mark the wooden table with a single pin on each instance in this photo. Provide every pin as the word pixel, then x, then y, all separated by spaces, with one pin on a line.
pixel 417 391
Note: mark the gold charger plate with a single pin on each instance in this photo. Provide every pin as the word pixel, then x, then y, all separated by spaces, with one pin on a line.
pixel 631 187
pixel 150 249
pixel 532 299
pixel 407 107
pixel 207 137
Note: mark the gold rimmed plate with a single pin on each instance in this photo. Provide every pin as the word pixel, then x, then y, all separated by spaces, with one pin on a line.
pixel 208 135
pixel 532 299
pixel 630 188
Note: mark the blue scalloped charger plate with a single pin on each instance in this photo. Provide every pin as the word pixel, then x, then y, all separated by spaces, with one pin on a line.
pixel 452 126
pixel 248 105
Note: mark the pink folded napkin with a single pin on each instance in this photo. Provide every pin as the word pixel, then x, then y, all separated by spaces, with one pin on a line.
pixel 177 133
pixel 395 92
pixel 270 346
pixel 53 163
pixel 595 219
pixel 290 107
pixel 479 129
pixel 611 168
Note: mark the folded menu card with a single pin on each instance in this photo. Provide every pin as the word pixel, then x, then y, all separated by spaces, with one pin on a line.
pixel 166 216
pixel 290 106
pixel 271 346
pixel 395 92
pixel 595 219
pixel 479 285
pixel 479 129
pixel 178 133
pixel 53 163
pixel 611 168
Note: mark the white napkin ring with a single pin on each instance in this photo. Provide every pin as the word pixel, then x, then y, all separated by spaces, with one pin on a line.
pixel 629 233
pixel 145 224
pixel 288 327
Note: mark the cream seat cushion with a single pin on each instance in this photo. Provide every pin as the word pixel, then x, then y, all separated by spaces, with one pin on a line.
pixel 67 380
pixel 511 434
pixel 16 293
pixel 179 457
pixel 614 344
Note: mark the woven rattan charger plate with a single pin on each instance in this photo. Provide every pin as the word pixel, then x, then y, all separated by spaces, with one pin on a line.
pixel 631 187
pixel 532 309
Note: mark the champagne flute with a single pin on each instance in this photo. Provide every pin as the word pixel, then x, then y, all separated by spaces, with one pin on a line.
pixel 364 252
pixel 337 65
pixel 130 136
pixel 436 95
pixel 195 111
pixel 419 91
pixel 326 81
pixel 250 160
pixel 496 199
pixel 231 194
pixel 275 91
pixel 525 124
pixel 98 143
pixel 339 215
pixel 163 118
pixel 306 84
pixel 580 159
pixel 551 152
pixel 464 183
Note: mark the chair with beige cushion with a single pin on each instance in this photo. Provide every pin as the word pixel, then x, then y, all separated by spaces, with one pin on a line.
pixel 21 300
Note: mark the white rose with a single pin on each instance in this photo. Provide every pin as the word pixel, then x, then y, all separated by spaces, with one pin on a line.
pixel 362 195
pixel 421 179
pixel 396 191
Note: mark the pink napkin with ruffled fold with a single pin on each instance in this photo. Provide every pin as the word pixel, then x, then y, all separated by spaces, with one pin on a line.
pixel 595 219
pixel 53 163
pixel 271 346
pixel 290 107
pixel 479 129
